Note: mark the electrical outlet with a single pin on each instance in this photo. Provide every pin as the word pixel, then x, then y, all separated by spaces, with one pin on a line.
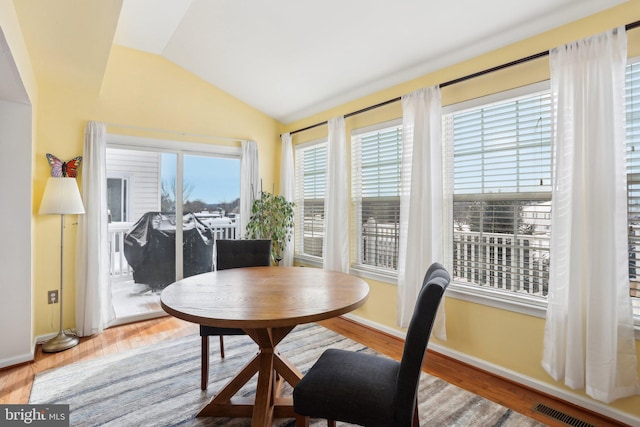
pixel 52 297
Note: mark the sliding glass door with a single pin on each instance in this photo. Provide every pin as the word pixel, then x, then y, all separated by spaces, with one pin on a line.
pixel 166 208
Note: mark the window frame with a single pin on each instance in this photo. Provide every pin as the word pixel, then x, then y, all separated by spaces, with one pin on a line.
pixel 633 176
pixel 366 270
pixel 126 180
pixel 305 258
pixel 516 302
pixel 180 149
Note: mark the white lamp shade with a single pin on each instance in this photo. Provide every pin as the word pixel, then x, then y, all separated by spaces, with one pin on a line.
pixel 61 196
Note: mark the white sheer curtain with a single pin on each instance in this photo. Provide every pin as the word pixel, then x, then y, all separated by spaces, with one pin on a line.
pixel 249 182
pixel 335 244
pixel 93 299
pixel 287 186
pixel 589 339
pixel 421 198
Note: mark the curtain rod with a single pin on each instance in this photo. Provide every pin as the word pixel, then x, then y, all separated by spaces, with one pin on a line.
pixel 175 132
pixel 452 82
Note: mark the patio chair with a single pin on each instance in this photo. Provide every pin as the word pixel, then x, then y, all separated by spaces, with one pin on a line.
pixel 373 390
pixel 232 254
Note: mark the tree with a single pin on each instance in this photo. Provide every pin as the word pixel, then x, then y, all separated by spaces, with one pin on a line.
pixel 233 206
pixel 194 206
pixel 168 194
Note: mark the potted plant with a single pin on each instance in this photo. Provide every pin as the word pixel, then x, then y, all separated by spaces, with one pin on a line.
pixel 271 218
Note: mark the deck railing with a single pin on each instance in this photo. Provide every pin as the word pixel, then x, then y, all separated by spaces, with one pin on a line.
pixel 120 270
pixel 502 261
pixel 380 244
pixel 516 263
pixel 225 231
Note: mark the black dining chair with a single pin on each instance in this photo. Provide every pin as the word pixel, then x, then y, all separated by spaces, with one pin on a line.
pixel 372 390
pixel 232 254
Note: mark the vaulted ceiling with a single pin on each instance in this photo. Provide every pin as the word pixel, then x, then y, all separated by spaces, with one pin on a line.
pixel 287 58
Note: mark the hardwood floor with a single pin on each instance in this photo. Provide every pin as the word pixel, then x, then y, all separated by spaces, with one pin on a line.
pixel 489 386
pixel 16 381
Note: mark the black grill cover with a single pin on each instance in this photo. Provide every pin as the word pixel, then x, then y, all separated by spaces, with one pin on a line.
pixel 149 247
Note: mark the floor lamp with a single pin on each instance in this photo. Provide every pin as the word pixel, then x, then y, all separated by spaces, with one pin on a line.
pixel 61 196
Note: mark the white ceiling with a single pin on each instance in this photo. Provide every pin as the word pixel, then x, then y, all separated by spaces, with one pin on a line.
pixel 293 58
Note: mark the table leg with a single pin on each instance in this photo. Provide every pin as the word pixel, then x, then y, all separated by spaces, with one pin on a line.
pixel 263 406
pixel 222 400
pixel 272 369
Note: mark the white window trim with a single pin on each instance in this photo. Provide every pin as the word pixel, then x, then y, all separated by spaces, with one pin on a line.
pixel 376 127
pixel 309 260
pixel 497 97
pixel 518 303
pixel 373 273
pixel 189 148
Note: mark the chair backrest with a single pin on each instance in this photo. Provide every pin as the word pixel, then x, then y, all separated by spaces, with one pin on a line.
pixel 242 253
pixel 434 284
pixel 435 270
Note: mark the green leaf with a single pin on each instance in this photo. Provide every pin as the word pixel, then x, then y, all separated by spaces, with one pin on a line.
pixel 271 218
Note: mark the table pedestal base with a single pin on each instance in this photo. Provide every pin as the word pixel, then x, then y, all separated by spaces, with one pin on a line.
pixel 272 369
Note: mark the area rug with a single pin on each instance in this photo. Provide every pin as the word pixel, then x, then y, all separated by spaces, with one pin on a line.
pixel 159 385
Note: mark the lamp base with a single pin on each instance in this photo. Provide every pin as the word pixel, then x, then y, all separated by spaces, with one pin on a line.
pixel 60 342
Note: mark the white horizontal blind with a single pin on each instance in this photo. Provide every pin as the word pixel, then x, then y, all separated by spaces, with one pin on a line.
pixel 502 193
pixel 504 148
pixel 632 86
pixel 310 170
pixel 376 162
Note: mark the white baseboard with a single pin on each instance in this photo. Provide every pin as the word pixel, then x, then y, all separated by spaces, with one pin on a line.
pixel 16 360
pixel 576 399
pixel 374 325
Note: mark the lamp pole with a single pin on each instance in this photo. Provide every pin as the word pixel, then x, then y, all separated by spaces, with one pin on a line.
pixel 61 341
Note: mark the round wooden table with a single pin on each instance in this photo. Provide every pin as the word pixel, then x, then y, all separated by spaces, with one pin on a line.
pixel 267 303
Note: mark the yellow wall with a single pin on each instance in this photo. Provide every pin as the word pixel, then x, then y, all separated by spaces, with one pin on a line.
pixel 13 33
pixel 147 91
pixel 143 90
pixel 500 337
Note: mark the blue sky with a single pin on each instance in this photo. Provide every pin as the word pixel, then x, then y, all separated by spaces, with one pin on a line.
pixel 213 179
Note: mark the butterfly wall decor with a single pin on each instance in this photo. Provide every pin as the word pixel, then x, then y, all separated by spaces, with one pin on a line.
pixel 64 169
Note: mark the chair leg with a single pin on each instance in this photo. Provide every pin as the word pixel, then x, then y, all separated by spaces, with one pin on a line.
pixel 331 423
pixel 302 421
pixel 204 369
pixel 416 417
pixel 221 347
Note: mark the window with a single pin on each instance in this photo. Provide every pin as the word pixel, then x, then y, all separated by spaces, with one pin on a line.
pixel 633 178
pixel 310 172
pixel 502 193
pixel 118 199
pixel 376 162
